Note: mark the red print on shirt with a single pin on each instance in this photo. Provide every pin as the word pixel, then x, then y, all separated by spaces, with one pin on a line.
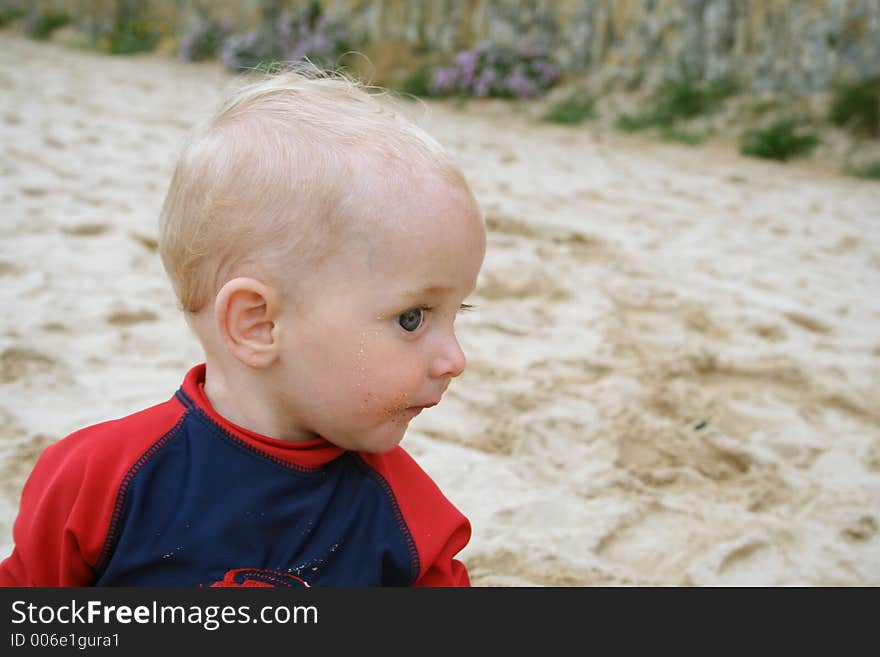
pixel 259 578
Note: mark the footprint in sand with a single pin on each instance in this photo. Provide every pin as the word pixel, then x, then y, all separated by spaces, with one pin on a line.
pixel 52 142
pixel 872 457
pixel 746 558
pixel 583 247
pixel 520 283
pixel 34 192
pixel 499 223
pixel 653 542
pixel 20 362
pixel 500 435
pixel 8 269
pixel 129 318
pixel 806 322
pixel 862 528
pixel 91 200
pixel 55 327
pixel 149 243
pixel 769 332
pixel 637 295
pixel 844 245
pixel 86 230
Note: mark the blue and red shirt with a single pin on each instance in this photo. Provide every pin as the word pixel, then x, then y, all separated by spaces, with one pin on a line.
pixel 175 495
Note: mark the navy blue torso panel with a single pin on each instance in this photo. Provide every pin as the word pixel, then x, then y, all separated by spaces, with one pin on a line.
pixel 203 507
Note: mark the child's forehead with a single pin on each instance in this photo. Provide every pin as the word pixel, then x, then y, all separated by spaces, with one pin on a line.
pixel 418 222
pixel 387 185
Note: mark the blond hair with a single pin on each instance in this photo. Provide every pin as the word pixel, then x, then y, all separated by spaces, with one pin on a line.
pixel 270 181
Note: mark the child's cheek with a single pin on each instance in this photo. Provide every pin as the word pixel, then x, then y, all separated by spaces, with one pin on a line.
pixel 396 405
pixel 373 374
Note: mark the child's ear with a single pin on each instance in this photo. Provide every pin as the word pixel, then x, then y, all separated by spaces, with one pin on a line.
pixel 245 312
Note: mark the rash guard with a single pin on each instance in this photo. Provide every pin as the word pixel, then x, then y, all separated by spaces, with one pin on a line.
pixel 175 495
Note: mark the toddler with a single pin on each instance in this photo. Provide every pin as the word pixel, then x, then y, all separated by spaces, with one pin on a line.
pixel 320 246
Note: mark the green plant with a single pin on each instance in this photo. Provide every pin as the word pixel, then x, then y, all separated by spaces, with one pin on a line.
pixel 857 106
pixel 418 83
pixel 204 41
pixel 677 100
pixel 571 111
pixel 689 137
pixel 778 141
pixel 871 170
pixel 41 26
pixel 635 122
pixel 131 37
pixel 10 14
pixel 762 107
pixel 128 31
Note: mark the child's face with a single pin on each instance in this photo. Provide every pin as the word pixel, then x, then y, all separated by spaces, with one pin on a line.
pixel 375 342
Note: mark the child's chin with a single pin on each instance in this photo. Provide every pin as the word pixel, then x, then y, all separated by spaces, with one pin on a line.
pixel 385 442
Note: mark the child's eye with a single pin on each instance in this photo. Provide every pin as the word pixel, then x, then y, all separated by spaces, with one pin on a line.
pixel 411 319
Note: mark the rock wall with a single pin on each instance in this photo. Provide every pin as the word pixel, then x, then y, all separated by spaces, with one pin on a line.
pixel 799 46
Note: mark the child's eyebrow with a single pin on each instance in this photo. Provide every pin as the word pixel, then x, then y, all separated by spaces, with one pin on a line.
pixel 429 290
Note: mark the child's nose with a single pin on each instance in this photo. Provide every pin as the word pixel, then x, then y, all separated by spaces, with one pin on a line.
pixel 450 361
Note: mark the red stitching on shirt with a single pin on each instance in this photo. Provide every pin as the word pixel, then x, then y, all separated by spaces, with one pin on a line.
pixel 110 541
pixel 398 514
pixel 246 445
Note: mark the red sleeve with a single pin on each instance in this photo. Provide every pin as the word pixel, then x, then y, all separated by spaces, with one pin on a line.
pixel 439 530
pixel 68 501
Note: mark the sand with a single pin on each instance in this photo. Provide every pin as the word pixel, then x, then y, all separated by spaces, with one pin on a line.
pixel 674 360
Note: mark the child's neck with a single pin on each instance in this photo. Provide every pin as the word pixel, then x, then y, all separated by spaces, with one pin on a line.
pixel 239 400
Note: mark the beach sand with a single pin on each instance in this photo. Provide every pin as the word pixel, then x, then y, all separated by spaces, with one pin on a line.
pixel 674 359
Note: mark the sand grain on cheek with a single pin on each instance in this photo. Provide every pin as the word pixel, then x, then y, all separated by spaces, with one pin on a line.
pixel 362 379
pixel 396 406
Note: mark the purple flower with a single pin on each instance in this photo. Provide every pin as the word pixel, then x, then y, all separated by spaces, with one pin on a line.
pixel 186 46
pixel 548 72
pixel 483 84
pixel 302 35
pixel 321 43
pixel 520 85
pixel 492 70
pixel 466 61
pixel 235 44
pixel 532 51
pixel 444 80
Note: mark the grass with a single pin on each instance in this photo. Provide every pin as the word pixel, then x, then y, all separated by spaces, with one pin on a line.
pixel 9 15
pixel 870 171
pixel 41 26
pixel 418 83
pixel 131 37
pixel 634 122
pixel 762 107
pixel 857 106
pixel 689 137
pixel 676 101
pixel 779 141
pixel 572 111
